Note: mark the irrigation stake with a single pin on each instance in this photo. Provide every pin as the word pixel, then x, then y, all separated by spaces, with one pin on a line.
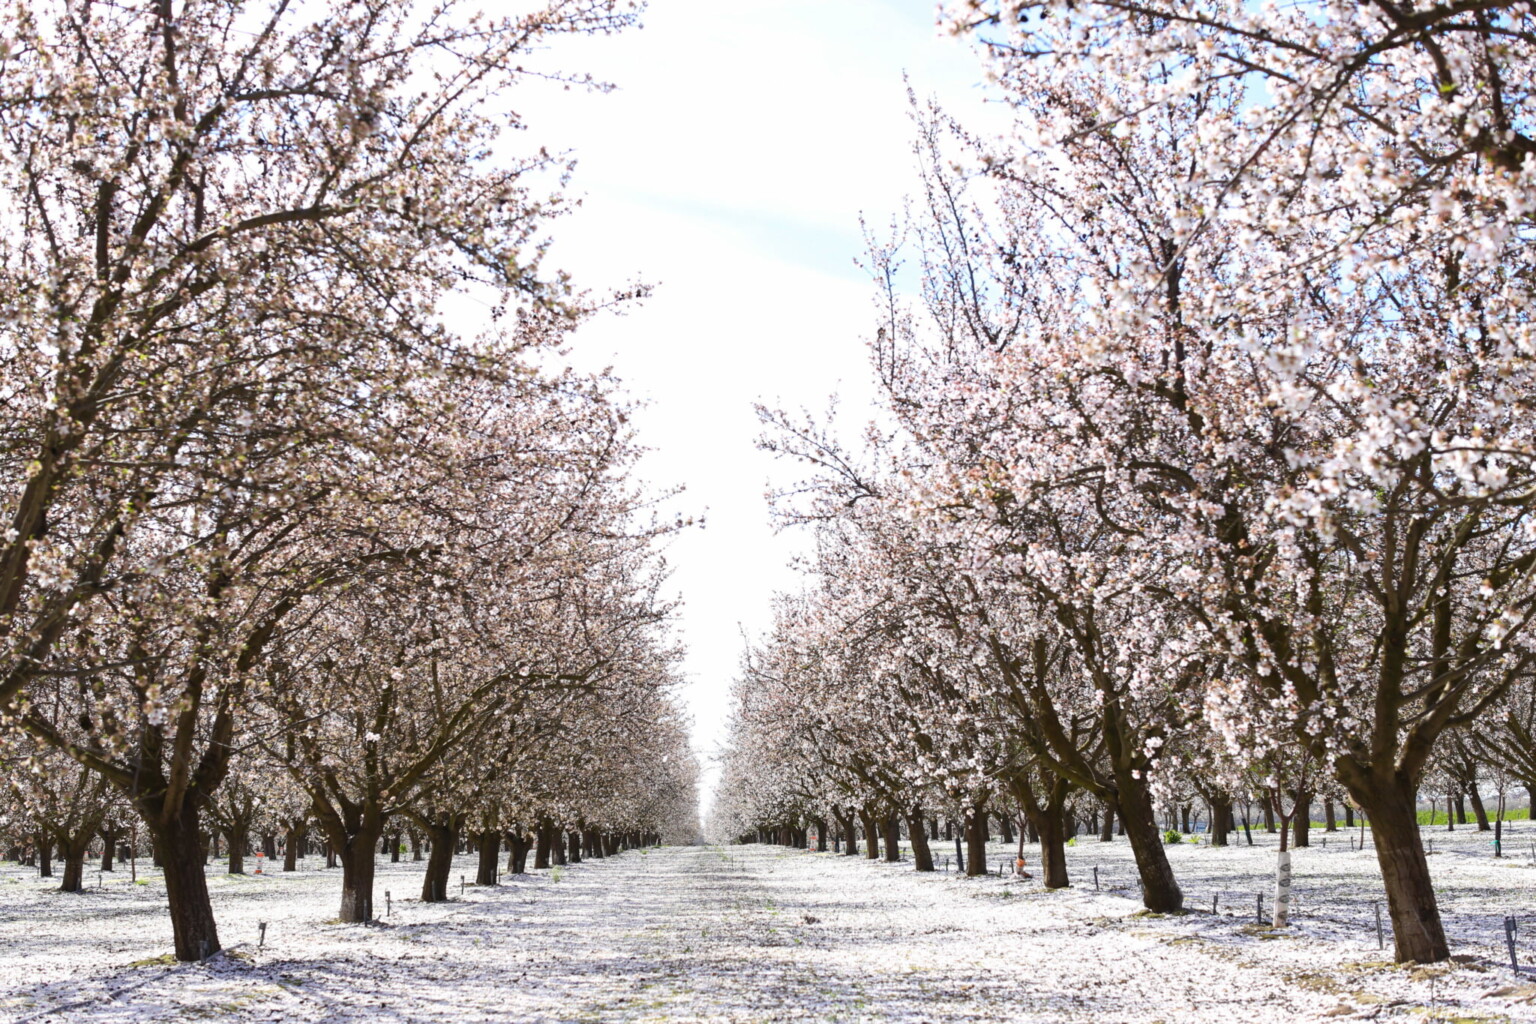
pixel 386 903
pixel 1095 878
pixel 1258 912
pixel 261 939
pixel 1381 943
pixel 461 885
pixel 1214 898
pixel 1511 925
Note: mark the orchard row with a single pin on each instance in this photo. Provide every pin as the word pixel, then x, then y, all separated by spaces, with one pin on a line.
pixel 287 547
pixel 1203 467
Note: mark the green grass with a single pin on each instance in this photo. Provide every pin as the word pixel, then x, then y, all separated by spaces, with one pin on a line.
pixel 1510 814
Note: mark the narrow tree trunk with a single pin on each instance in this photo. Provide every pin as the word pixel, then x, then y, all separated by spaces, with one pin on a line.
pixel 850 835
pixel 490 857
pixel 871 838
pixel 573 843
pixel 821 835
pixel 394 847
pixel 1107 834
pixel 1461 809
pixel 44 857
pixel 1349 816
pixel 1005 826
pixel 1269 818
pixel 1330 820
pixel 892 836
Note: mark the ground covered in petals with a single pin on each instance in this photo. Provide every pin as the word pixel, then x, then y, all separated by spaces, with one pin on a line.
pixel 761 933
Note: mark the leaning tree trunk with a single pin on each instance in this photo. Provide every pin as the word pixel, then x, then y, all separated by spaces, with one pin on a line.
pixel 922 854
pixel 1478 809
pixel 1160 891
pixel 1048 820
pixel 180 843
pixel 1416 930
pixel 490 854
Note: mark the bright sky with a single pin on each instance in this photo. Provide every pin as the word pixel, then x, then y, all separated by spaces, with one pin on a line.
pixel 730 169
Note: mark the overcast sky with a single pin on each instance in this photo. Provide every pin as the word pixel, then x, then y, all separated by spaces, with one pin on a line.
pixel 730 169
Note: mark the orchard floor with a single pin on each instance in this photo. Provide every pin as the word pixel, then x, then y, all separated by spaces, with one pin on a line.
pixel 759 933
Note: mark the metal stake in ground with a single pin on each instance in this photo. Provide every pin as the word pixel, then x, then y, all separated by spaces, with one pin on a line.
pixel 1511 925
pixel 1095 878
pixel 386 902
pixel 1381 943
pixel 261 938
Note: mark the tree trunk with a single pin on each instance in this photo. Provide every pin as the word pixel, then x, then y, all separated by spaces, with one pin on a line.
pixel 1349 816
pixel 1107 834
pixel 73 852
pixel 180 843
pixel 293 845
pixel 1005 827
pixel 1330 820
pixel 1221 820
pixel 1269 817
pixel 1478 809
pixel 1160 891
pixel 415 846
pixel 1416 930
pixel 922 855
pixel 892 835
pixel 394 847
pixel 1302 823
pixel 821 835
pixel 517 858
pixel 109 838
pixel 976 842
pixel 1461 809
pixel 573 844
pixel 850 835
pixel 357 866
pixel 44 857
pixel 444 836
pixel 490 857
pixel 544 848
pixel 871 839
pixel 1048 821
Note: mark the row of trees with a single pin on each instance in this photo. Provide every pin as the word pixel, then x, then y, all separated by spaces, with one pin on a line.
pixel 1206 445
pixel 280 538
